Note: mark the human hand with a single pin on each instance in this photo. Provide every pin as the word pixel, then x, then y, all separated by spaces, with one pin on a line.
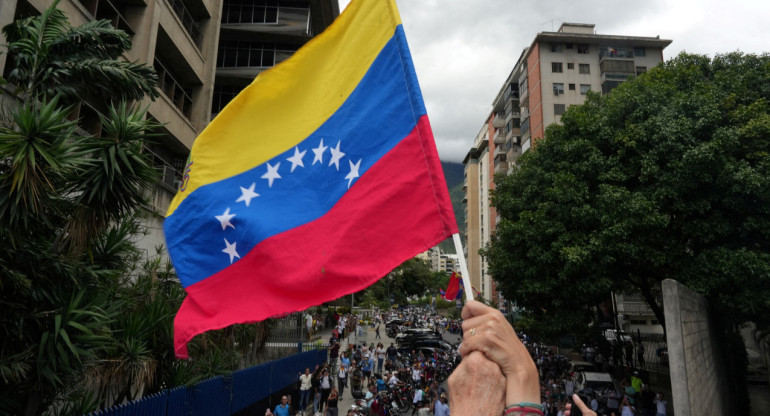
pixel 486 330
pixel 475 387
pixel 580 405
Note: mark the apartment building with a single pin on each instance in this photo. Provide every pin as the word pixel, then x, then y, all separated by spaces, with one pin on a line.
pixel 204 51
pixel 476 184
pixel 559 68
pixel 554 72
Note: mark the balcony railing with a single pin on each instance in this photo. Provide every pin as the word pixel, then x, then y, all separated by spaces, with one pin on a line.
pixel 615 52
pixel 189 23
pixel 181 97
pixel 499 137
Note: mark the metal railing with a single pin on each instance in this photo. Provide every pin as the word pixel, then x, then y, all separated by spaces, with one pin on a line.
pixel 222 395
pixel 181 97
pixel 190 25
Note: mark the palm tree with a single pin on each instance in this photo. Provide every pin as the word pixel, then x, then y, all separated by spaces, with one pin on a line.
pixel 63 195
pixel 53 58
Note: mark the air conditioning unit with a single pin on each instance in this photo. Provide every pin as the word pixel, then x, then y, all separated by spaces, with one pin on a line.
pixel 169 176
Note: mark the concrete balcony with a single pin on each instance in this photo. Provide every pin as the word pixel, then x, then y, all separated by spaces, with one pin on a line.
pixel 499 137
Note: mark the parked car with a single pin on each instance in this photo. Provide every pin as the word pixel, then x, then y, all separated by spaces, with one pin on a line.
pixel 600 383
pixel 612 335
pixel 432 343
pixel 409 339
pixel 427 351
pixel 581 366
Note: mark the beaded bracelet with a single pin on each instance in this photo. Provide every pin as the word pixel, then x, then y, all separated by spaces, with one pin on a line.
pixel 523 409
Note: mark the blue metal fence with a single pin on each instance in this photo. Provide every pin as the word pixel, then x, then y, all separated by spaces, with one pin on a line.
pixel 223 395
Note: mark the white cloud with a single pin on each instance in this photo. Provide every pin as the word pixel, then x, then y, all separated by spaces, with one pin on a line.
pixel 464 50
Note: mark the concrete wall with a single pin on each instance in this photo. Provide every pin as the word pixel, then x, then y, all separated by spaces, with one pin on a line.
pixel 697 376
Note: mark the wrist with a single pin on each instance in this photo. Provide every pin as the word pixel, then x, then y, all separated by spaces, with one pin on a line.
pixel 522 387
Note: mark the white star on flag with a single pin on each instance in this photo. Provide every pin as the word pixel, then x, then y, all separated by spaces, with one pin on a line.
pixel 231 251
pixel 319 152
pixel 225 218
pixel 297 158
pixel 336 156
pixel 247 194
pixel 272 174
pixel 353 171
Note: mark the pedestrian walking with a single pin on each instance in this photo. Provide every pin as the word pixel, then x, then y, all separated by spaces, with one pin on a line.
pixel 305 383
pixel 377 332
pixel 331 403
pixel 326 387
pixel 342 379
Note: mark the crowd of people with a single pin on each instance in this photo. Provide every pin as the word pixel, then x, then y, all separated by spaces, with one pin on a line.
pixel 498 367
pixel 558 384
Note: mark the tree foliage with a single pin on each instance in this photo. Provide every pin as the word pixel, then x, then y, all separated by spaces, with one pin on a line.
pixel 668 176
pixel 412 278
pixel 86 320
pixel 52 58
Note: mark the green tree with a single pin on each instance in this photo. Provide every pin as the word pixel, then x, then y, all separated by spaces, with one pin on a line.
pixel 411 278
pixel 85 322
pixel 666 177
pixel 68 208
pixel 52 58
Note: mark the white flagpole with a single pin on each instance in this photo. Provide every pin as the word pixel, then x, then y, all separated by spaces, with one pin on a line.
pixel 463 267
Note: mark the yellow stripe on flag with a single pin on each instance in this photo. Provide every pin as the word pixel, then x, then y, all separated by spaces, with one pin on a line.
pixel 288 102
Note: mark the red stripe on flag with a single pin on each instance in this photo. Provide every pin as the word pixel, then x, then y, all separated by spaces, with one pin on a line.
pixel 397 209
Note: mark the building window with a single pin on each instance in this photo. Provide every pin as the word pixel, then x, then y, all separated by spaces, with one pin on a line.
pixel 558 88
pixel 223 94
pixel 584 88
pixel 556 47
pixel 569 46
pixel 235 53
pixel 556 67
pixel 572 87
pixel 640 51
pixel 584 69
pixel 640 70
pixel 559 109
pixel 570 65
pixel 582 48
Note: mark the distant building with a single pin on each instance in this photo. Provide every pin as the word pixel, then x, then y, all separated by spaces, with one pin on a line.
pixel 202 50
pixel 553 73
pixel 440 261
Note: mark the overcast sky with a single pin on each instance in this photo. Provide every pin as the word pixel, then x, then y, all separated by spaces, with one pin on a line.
pixel 463 50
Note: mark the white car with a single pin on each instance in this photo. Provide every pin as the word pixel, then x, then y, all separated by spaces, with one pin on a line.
pixel 611 335
pixel 601 383
pixel 581 366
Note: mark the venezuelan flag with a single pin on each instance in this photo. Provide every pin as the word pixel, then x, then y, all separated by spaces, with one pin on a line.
pixel 314 182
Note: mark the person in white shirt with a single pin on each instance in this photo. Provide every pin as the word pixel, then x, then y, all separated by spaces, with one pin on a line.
pixel 660 404
pixel 305 382
pixel 342 379
pixel 569 387
pixel 416 373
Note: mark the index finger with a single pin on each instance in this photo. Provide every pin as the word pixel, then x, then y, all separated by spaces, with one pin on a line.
pixel 474 308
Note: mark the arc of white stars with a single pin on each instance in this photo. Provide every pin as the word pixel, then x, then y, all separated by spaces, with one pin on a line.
pixel 336 156
pixel 271 174
pixel 296 159
pixel 247 194
pixel 230 249
pixel 353 171
pixel 225 218
pixel 319 152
